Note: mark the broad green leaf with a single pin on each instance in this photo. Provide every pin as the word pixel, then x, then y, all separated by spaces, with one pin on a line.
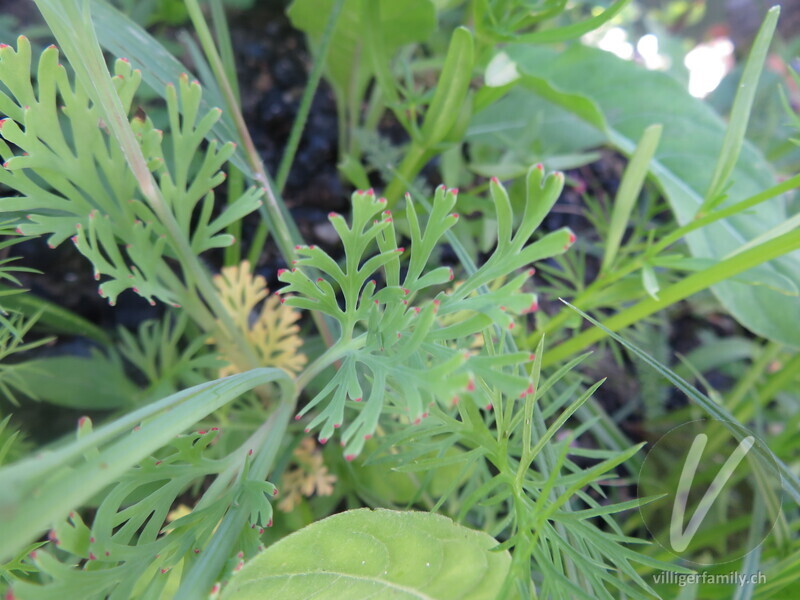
pixel 97 382
pixel 631 99
pixel 349 71
pixel 383 554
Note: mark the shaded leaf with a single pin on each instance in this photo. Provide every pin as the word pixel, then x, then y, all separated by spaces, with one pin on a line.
pixel 364 554
pixel 96 383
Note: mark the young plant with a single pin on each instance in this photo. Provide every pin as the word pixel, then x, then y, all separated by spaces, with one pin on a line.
pixel 404 342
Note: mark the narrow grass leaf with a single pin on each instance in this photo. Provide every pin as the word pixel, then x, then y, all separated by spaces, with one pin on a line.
pixel 629 189
pixel 791 482
pixel 740 113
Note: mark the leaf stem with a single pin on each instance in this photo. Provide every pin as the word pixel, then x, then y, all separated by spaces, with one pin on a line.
pixel 198 581
pixel 701 220
pixel 308 96
pixel 692 284
pixel 286 235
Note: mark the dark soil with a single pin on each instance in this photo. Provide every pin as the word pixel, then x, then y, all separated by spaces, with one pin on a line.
pixel 273 63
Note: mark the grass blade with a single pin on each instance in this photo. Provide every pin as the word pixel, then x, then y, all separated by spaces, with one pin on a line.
pixel 791 482
pixel 53 317
pixel 629 189
pixel 26 506
pixel 740 113
pixel 684 288
pixel 308 95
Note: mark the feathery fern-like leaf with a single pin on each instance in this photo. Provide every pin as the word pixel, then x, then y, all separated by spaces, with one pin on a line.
pixel 74 182
pixel 401 357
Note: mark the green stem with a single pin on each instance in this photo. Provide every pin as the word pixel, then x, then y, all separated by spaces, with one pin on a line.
pixel 265 443
pixel 279 226
pixel 749 381
pixel 77 37
pixel 776 382
pixel 27 507
pixel 198 581
pixel 233 253
pixel 223 34
pixel 329 357
pixel 308 95
pixel 278 219
pixel 692 284
pixel 408 170
pixel 701 220
pixel 257 243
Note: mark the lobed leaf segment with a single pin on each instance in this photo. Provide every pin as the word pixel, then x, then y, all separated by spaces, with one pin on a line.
pixel 74 182
pixel 405 345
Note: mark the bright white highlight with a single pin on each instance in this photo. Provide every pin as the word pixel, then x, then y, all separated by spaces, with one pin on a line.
pixel 708 64
pixel 615 40
pixel 647 47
